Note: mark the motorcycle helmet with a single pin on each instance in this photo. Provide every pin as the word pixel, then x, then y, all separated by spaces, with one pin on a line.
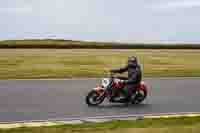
pixel 132 59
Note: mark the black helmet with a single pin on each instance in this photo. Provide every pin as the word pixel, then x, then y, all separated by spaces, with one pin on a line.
pixel 132 59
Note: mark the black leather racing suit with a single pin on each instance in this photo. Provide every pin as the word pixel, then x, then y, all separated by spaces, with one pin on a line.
pixel 134 76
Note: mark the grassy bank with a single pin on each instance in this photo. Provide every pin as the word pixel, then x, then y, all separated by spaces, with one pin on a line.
pixel 179 125
pixel 68 63
pixel 68 44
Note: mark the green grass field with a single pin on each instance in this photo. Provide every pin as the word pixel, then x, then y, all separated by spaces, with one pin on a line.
pixel 70 63
pixel 176 125
pixel 55 43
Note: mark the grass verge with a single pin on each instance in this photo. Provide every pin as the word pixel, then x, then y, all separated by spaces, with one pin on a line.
pixel 70 63
pixel 182 125
pixel 69 44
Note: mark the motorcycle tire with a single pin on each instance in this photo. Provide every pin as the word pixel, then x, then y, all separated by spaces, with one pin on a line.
pixel 96 99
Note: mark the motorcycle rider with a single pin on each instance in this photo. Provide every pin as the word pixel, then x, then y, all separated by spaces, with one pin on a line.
pixel 134 77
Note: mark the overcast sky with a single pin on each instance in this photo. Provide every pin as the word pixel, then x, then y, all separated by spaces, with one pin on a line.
pixel 102 20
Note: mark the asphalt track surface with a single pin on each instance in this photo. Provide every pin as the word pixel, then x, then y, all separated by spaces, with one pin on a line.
pixel 55 99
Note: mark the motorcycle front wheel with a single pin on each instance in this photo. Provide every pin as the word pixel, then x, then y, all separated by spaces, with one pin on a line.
pixel 93 98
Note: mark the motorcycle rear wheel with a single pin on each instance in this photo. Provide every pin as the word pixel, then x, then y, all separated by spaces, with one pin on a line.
pixel 140 96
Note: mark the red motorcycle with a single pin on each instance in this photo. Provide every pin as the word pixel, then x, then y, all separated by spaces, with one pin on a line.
pixel 114 84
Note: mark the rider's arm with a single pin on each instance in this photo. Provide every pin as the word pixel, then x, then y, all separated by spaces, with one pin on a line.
pixel 121 70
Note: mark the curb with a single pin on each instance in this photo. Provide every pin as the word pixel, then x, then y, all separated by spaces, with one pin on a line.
pixel 56 122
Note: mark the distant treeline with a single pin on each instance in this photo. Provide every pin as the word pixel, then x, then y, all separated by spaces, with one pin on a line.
pixel 69 44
